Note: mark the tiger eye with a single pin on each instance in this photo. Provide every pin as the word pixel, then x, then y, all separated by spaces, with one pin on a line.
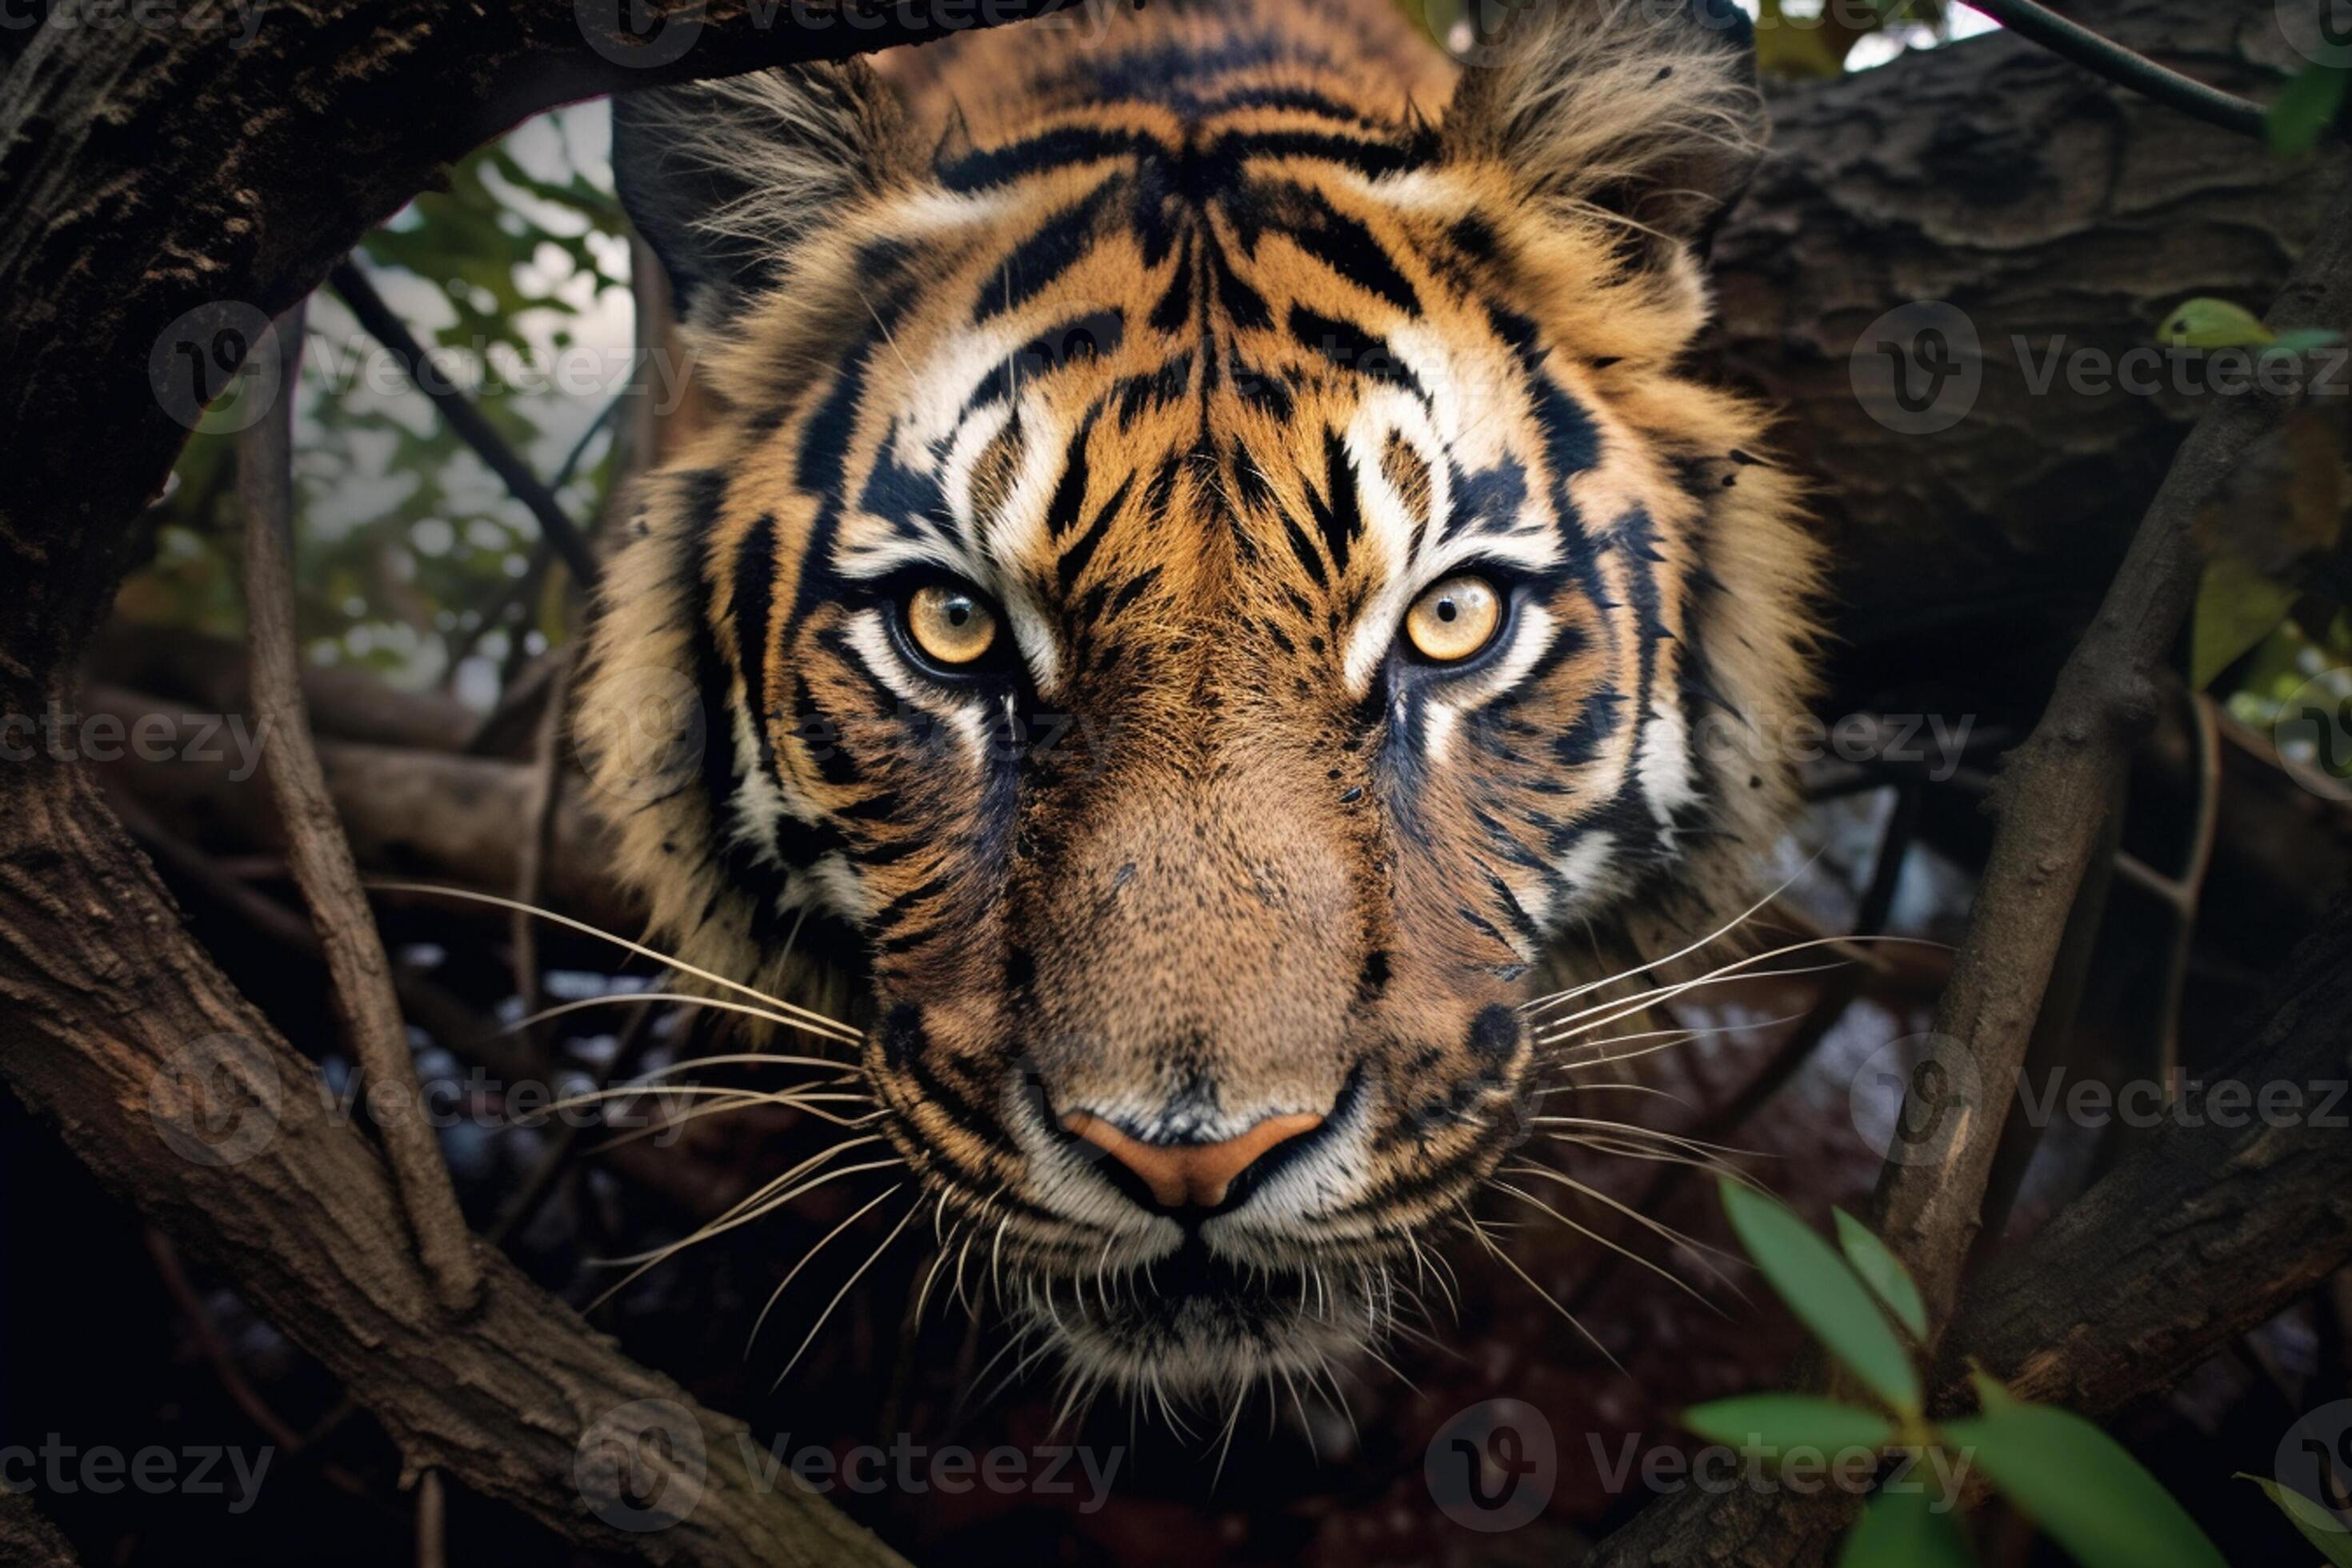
pixel 951 624
pixel 1454 618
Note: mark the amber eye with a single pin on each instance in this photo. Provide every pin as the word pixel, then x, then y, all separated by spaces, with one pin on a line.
pixel 1454 619
pixel 950 626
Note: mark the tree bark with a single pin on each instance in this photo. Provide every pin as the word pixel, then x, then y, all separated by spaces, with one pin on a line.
pixel 432 815
pixel 2213 1225
pixel 29 1539
pixel 2048 204
pixel 186 1105
pixel 2226 1212
pixel 149 172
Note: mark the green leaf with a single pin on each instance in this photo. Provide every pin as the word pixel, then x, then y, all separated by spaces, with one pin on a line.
pixel 1902 1529
pixel 2209 323
pixel 2094 1498
pixel 1883 1272
pixel 1992 1394
pixel 2306 341
pixel 2305 110
pixel 1759 1421
pixel 2237 607
pixel 2318 1526
pixel 1809 1274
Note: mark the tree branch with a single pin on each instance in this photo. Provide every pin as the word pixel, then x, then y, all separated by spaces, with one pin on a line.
pixel 188 1106
pixel 2212 1223
pixel 29 1539
pixel 2053 798
pixel 2055 793
pixel 320 856
pixel 471 426
pixel 2073 41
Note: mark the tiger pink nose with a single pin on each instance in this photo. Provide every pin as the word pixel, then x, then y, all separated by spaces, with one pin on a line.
pixel 1190 1176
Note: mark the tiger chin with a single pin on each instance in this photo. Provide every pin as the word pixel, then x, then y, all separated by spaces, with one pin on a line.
pixel 1200 586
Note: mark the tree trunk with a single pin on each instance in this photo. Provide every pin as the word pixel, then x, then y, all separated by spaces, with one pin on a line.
pixel 2048 204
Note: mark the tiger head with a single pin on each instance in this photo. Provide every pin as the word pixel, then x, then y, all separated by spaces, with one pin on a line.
pixel 1200 576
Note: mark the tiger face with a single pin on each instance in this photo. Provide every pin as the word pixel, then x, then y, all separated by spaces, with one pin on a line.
pixel 1199 581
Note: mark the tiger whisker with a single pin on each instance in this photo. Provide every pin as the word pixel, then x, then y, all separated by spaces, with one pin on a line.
pixel 818 1023
pixel 618 998
pixel 1673 1140
pixel 1661 1270
pixel 748 1209
pixel 1507 1261
pixel 1542 1002
pixel 804 1260
pixel 859 1273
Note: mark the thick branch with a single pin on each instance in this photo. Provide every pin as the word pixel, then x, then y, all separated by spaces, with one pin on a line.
pixel 2203 1231
pixel 2057 789
pixel 2234 1207
pixel 320 854
pixel 2054 796
pixel 177 1094
pixel 2064 214
pixel 148 172
pixel 423 813
pixel 29 1539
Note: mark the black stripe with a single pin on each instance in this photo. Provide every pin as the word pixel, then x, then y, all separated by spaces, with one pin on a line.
pixel 1074 560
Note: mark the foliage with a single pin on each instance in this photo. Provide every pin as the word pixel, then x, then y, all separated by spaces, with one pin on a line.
pixel 2082 1488
pixel 408 544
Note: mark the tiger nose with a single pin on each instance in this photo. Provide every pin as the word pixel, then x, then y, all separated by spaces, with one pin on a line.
pixel 1191 1175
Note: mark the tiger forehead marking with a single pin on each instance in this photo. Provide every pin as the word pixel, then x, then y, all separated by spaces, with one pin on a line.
pixel 1188 901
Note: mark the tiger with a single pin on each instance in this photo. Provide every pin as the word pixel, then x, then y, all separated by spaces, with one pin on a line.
pixel 1205 577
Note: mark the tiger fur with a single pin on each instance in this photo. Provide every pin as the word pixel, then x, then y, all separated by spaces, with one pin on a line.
pixel 1193 354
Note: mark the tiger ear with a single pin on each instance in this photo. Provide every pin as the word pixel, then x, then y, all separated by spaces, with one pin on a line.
pixel 1645 112
pixel 722 178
